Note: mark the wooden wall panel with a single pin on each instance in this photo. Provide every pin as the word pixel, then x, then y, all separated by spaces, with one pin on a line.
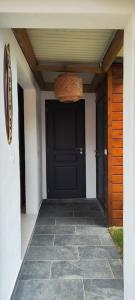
pixel 113 86
pixel 116 170
pixel 117 179
pixel 118 116
pixel 117 205
pixel 117 98
pixel 115 145
pixel 117 161
pixel 117 125
pixel 116 107
pixel 117 222
pixel 117 197
pixel 117 152
pixel 117 188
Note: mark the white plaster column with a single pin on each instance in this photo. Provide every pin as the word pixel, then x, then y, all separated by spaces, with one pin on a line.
pixel 32 153
pixel 129 160
pixel 90 141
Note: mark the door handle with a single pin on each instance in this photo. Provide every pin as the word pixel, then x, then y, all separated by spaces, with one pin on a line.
pixel 80 150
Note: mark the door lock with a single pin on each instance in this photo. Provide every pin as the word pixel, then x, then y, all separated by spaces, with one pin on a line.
pixel 81 151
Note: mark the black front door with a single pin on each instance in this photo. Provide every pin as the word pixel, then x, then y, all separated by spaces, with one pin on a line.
pixel 65 142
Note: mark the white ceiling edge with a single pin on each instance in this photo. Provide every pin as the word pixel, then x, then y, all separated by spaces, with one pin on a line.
pixel 70 6
pixel 106 20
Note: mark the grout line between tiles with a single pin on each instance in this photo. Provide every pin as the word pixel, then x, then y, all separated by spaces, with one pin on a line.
pixel 83 290
pixel 111 269
pixel 100 240
pixel 53 240
pixel 65 279
pixel 75 245
pixel 78 252
pixel 50 270
pixel 80 258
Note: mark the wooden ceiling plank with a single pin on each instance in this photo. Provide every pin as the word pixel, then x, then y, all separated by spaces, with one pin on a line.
pixel 113 50
pixel 25 44
pixel 72 68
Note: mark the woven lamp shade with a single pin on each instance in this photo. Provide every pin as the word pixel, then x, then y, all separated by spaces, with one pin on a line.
pixel 68 88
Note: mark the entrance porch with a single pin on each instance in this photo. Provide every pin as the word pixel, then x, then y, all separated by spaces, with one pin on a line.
pixel 27 70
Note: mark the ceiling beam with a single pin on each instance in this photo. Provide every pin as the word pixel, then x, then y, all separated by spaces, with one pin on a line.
pixel 113 50
pixel 96 81
pixel 72 68
pixel 25 44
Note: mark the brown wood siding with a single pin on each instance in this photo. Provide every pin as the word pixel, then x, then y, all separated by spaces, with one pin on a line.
pixel 115 145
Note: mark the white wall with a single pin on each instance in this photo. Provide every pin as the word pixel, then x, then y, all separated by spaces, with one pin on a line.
pixel 129 160
pixel 66 14
pixel 90 140
pixel 90 136
pixel 10 220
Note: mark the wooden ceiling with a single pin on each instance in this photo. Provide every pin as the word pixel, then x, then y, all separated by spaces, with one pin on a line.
pixel 89 52
pixel 70 45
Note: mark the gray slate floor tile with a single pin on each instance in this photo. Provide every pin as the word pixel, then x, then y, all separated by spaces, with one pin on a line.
pixel 42 220
pixel 70 240
pixel 89 252
pixel 103 289
pixel 35 270
pixel 117 268
pixel 91 230
pixel 74 221
pixel 49 290
pixel 86 205
pixel 61 202
pixel 42 240
pixel 36 253
pixel 47 209
pixel 106 240
pixel 57 213
pixel 54 229
pixel 87 213
pixel 81 269
pixel 64 213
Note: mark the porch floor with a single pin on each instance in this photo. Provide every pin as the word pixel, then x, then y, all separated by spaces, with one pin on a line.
pixel 71 256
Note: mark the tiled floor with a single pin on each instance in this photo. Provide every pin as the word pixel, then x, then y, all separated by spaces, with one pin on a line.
pixel 71 256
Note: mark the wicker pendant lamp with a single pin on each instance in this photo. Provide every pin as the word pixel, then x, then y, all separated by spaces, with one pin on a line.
pixel 68 88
